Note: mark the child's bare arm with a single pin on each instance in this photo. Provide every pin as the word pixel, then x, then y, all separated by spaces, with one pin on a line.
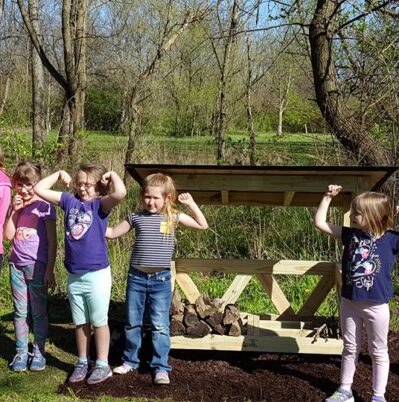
pixel 117 231
pixel 320 219
pixel 118 193
pixel 43 187
pixel 197 219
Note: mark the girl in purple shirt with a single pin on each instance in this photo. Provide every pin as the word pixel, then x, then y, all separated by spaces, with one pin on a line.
pixel 32 231
pixel 86 258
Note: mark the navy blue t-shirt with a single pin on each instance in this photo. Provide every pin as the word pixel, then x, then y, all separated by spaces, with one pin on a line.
pixel 85 225
pixel 367 265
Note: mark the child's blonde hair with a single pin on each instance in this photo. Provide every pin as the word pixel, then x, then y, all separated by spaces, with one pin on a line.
pixel 169 194
pixel 27 172
pixel 96 171
pixel 376 210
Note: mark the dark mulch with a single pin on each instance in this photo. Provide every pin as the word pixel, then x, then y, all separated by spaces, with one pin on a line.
pixel 233 376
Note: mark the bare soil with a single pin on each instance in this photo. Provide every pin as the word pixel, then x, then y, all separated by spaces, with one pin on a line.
pixel 241 376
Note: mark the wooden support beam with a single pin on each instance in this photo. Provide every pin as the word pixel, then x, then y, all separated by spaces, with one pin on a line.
pixel 273 343
pixel 225 197
pixel 276 295
pixel 288 196
pixel 187 286
pixel 281 267
pixel 235 289
pixel 173 274
pixel 319 293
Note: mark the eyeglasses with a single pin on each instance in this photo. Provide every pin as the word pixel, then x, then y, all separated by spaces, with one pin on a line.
pixel 85 185
pixel 27 187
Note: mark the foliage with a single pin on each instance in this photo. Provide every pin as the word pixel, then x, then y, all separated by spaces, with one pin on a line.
pixel 103 109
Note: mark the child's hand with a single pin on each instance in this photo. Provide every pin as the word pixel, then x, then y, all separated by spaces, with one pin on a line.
pixel 18 203
pixel 185 198
pixel 49 279
pixel 333 190
pixel 65 178
pixel 106 179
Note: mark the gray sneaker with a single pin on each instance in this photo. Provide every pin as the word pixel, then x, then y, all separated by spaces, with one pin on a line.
pixel 79 373
pixel 341 395
pixel 20 362
pixel 161 378
pixel 99 374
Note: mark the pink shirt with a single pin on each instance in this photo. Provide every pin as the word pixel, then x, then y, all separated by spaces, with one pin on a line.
pixel 5 199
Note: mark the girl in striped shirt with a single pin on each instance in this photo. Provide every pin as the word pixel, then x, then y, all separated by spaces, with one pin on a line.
pixel 149 277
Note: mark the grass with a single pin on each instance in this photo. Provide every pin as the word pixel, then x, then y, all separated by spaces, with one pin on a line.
pixel 241 232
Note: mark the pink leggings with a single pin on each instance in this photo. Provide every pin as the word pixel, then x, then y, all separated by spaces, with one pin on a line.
pixel 375 317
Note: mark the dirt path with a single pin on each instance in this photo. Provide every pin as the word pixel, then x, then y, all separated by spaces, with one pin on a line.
pixel 220 376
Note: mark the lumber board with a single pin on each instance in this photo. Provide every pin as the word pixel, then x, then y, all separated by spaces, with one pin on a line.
pixel 173 275
pixel 187 286
pixel 276 295
pixel 284 344
pixel 269 183
pixel 288 196
pixel 253 325
pixel 235 289
pixel 239 266
pixel 319 293
pixel 244 197
pixel 225 197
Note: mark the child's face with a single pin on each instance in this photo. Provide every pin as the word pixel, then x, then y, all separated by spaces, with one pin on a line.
pixel 357 220
pixel 85 186
pixel 25 190
pixel 153 199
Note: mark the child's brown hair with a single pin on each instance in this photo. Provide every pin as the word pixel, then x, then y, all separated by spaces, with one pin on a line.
pixel 96 171
pixel 376 209
pixel 27 172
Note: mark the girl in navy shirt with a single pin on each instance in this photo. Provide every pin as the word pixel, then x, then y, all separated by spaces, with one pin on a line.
pixel 370 249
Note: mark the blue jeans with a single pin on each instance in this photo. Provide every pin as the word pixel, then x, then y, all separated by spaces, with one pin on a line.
pixel 153 290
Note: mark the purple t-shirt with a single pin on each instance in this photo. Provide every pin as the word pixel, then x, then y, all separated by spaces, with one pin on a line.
pixel 30 240
pixel 85 225
pixel 367 265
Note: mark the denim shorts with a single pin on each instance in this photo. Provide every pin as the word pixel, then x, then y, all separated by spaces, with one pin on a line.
pixel 89 296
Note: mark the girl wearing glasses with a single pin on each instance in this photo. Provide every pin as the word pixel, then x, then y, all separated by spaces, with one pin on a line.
pixel 31 228
pixel 86 258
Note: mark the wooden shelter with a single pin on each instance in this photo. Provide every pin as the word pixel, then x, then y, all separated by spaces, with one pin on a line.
pixel 288 331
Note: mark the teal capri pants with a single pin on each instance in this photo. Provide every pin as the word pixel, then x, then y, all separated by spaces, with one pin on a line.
pixel 89 295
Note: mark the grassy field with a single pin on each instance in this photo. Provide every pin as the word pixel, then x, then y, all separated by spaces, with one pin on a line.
pixel 241 232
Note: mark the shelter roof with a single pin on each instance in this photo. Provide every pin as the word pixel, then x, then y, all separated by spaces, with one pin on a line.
pixel 267 185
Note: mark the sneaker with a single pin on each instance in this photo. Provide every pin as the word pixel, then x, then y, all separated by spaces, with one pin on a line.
pixel 79 373
pixel 341 395
pixel 38 362
pixel 161 378
pixel 20 362
pixel 124 368
pixel 376 398
pixel 99 374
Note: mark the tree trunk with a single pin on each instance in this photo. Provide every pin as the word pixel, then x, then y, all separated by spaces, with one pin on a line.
pixel 4 97
pixel 361 144
pixel 80 57
pixel 38 88
pixel 221 106
pixel 250 122
pixel 132 122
